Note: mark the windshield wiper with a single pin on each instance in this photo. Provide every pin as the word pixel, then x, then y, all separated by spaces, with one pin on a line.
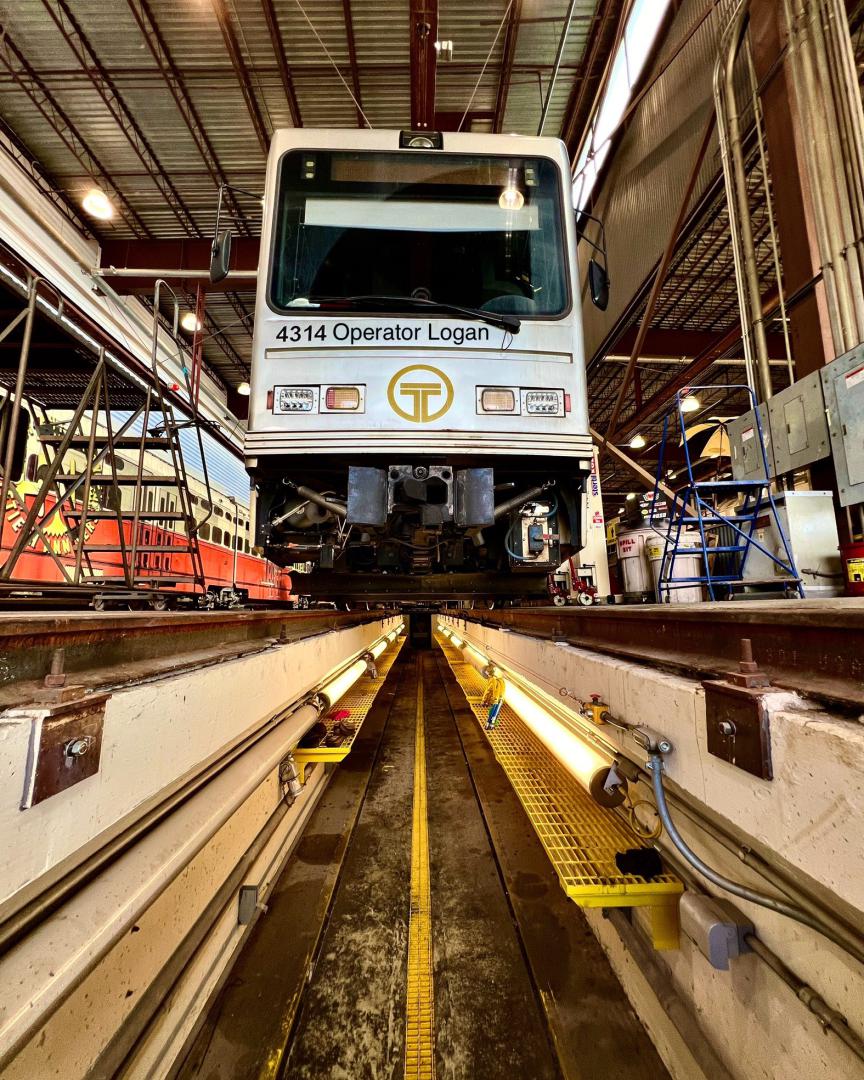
pixel 510 323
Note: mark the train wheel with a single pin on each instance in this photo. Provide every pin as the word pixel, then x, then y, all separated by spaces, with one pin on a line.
pixel 99 603
pixel 585 599
pixel 159 603
pixel 559 601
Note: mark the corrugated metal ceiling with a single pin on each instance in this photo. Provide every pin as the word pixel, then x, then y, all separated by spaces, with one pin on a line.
pixel 72 54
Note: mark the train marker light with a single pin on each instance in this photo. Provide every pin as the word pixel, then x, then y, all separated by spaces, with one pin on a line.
pixel 98 205
pixel 497 400
pixel 344 398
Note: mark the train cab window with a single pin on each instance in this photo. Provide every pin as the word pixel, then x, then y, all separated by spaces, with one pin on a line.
pixel 32 467
pixel 204 532
pixel 478 230
pixel 217 536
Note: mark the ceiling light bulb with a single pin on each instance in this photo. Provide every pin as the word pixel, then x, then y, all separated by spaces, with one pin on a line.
pixel 637 442
pixel 190 322
pixel 690 403
pixel 631 496
pixel 98 205
pixel 620 509
pixel 511 198
pixel 244 389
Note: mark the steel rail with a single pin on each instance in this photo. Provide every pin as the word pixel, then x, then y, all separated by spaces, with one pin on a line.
pixel 814 647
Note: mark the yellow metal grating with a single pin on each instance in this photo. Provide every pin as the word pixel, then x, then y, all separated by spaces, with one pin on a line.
pixel 357 701
pixel 580 837
pixel 419 1001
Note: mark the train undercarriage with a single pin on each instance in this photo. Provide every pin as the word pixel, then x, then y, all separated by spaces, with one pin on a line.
pixel 426 528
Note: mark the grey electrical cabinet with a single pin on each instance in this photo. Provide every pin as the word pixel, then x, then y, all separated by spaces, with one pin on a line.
pixel 799 428
pixel 747 461
pixel 843 387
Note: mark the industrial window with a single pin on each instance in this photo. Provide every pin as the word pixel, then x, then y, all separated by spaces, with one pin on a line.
pixel 640 33
pixel 219 512
pixel 217 536
pixel 204 532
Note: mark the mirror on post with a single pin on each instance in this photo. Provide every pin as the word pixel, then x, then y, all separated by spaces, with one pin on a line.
pixel 598 282
pixel 220 256
pixel 598 275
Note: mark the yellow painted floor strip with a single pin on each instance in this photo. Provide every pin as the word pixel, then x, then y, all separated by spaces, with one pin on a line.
pixel 420 1021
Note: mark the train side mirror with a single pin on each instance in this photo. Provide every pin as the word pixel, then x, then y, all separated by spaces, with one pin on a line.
pixel 598 282
pixel 220 256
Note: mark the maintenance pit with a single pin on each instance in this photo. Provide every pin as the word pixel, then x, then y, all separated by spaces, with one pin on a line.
pixel 300 852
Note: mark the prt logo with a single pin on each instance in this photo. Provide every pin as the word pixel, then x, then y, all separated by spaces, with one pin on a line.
pixel 420 393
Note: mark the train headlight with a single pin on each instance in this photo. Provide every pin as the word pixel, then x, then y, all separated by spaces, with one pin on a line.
pixel 293 399
pixel 543 402
pixel 497 399
pixel 342 398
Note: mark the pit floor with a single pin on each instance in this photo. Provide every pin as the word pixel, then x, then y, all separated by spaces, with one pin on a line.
pixel 521 989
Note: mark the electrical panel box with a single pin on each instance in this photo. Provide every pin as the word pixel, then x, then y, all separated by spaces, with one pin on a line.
pixel 807 518
pixel 799 428
pixel 747 461
pixel 843 386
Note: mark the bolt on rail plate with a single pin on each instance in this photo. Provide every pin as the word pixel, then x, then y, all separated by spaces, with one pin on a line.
pixel 65 748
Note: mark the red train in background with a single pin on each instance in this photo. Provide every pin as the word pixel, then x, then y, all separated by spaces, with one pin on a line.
pixel 233 572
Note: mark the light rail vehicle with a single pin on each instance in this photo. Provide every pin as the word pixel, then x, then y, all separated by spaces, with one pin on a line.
pixel 418 418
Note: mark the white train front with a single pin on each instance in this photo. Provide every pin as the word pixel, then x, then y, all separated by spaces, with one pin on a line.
pixel 418 413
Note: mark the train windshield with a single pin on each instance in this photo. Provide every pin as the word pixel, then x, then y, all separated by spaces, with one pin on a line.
pixel 483 232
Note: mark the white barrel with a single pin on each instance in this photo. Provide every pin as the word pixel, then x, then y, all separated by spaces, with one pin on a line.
pixel 685 566
pixel 633 561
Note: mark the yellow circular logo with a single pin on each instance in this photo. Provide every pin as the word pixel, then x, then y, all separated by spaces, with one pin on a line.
pixel 420 393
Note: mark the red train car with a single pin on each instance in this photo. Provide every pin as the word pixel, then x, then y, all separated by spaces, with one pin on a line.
pixel 230 564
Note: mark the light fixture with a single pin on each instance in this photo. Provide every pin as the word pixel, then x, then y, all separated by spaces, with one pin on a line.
pixel 98 205
pixel 691 403
pixel 190 321
pixel 637 442
pixel 580 758
pixel 337 688
pixel 620 509
pixel 631 496
pixel 511 198
pixel 671 474
pixel 244 389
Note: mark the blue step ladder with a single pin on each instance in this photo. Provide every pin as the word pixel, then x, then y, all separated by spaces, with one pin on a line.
pixel 694 515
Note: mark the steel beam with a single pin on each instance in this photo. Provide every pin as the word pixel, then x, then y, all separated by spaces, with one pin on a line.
pixel 423 31
pixel 24 75
pixel 509 55
pixel 152 258
pixel 352 58
pixel 282 61
pixel 61 13
pixel 143 15
pixel 223 17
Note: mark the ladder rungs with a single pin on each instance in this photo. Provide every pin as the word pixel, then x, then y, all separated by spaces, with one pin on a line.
pixel 717 519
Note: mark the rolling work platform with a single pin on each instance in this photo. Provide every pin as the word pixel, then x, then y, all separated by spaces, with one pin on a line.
pixel 443 947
